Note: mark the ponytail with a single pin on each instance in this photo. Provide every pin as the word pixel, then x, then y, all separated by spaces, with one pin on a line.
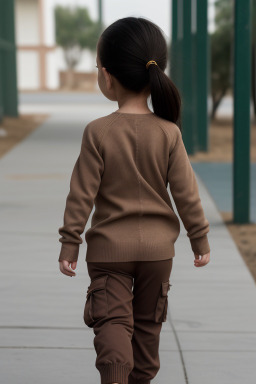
pixel 124 49
pixel 165 96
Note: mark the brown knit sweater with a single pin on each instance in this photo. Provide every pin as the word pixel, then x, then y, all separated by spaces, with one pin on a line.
pixel 124 166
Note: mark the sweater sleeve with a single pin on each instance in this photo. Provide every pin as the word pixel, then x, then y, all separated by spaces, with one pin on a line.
pixel 84 184
pixel 184 189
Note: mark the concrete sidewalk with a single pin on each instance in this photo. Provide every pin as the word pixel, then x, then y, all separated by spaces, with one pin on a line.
pixel 210 333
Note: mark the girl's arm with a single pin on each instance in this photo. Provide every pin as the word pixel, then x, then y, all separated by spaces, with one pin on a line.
pixel 84 184
pixel 184 189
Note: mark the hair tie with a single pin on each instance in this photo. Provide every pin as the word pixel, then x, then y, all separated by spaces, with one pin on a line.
pixel 151 62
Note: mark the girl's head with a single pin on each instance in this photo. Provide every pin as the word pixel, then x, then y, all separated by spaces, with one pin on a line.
pixel 124 48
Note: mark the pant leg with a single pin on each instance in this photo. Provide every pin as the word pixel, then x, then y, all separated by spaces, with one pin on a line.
pixel 108 310
pixel 151 284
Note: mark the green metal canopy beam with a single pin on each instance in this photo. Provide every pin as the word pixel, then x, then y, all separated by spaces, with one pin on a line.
pixel 242 91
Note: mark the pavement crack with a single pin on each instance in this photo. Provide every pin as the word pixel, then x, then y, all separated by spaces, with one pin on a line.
pixel 180 350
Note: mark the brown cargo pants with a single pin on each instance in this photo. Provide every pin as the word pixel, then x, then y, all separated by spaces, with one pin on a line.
pixel 126 303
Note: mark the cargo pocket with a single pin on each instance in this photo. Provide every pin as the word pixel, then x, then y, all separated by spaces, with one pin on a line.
pixel 162 303
pixel 96 305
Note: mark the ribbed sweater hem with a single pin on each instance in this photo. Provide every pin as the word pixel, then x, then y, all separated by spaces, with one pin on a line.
pixel 97 251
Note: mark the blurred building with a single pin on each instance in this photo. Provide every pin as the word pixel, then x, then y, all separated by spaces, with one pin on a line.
pixel 39 60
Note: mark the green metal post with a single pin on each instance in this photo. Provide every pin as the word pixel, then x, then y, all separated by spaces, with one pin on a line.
pixel 1 89
pixel 9 61
pixel 242 88
pixel 253 45
pixel 174 44
pixel 195 74
pixel 202 70
pixel 179 44
pixel 1 66
pixel 187 83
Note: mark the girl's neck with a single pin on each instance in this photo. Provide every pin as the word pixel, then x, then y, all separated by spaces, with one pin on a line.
pixel 133 110
pixel 134 106
pixel 131 102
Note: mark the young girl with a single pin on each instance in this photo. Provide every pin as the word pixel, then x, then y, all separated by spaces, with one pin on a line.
pixel 126 161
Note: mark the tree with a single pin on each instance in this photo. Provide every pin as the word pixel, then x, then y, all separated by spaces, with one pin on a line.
pixel 221 52
pixel 75 30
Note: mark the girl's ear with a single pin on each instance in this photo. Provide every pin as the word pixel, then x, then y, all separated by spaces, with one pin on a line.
pixel 108 78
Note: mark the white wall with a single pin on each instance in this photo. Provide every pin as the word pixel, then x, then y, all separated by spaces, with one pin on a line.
pixel 52 77
pixel 26 17
pixel 49 22
pixel 27 33
pixel 28 70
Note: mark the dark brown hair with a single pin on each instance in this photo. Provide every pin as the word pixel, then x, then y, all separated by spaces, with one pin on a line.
pixel 125 47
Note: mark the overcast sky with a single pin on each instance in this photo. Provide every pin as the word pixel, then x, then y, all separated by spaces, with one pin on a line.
pixel 158 11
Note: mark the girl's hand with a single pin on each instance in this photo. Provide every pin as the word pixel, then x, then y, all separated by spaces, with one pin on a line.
pixel 203 261
pixel 64 267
